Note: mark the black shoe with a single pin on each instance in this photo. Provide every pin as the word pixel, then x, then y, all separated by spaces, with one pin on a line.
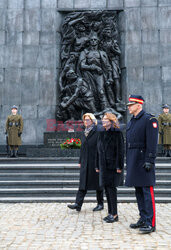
pixel 140 223
pixel 75 206
pixel 98 208
pixel 111 219
pixel 105 218
pixel 147 229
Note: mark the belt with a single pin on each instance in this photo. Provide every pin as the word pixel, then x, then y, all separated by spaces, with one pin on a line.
pixel 136 145
pixel 13 124
pixel 166 123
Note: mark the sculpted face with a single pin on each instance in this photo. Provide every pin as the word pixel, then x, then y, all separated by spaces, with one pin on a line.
pixel 107 33
pixel 71 74
pixel 94 41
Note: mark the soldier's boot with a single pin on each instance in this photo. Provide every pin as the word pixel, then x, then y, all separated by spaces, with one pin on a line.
pixel 15 153
pixel 165 152
pixel 11 153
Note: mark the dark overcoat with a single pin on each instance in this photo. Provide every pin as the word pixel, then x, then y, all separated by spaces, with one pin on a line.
pixel 89 179
pixel 141 145
pixel 110 157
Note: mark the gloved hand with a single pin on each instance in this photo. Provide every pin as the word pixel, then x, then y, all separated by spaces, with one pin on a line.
pixel 148 166
pixel 19 134
pixel 6 133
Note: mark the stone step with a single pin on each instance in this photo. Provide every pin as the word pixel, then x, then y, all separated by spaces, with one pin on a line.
pixel 59 167
pixel 59 176
pixel 59 192
pixel 61 159
pixel 58 183
pixel 72 199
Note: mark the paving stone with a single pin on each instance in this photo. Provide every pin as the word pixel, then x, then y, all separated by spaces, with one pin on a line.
pixel 76 231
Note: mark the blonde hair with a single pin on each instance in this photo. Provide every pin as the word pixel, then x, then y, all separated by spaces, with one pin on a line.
pixel 91 116
pixel 113 119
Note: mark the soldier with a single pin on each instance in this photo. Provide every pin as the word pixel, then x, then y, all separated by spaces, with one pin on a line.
pixel 164 120
pixel 14 128
pixel 141 145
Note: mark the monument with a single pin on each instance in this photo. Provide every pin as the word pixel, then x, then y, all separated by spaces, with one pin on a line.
pixel 52 55
pixel 89 80
pixel 90 65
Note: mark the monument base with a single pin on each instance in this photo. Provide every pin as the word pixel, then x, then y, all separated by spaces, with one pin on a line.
pixel 54 139
pixel 52 152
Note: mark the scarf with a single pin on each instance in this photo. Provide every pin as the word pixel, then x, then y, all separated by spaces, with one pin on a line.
pixel 87 130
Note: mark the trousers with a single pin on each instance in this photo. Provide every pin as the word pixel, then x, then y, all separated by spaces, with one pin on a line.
pixel 82 193
pixel 111 195
pixel 146 204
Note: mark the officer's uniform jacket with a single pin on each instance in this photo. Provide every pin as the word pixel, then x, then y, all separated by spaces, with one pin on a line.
pixel 141 145
pixel 164 129
pixel 14 127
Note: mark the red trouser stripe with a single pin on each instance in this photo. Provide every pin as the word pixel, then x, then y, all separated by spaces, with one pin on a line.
pixel 153 204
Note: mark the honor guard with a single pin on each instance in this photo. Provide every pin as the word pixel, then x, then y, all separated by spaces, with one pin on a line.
pixel 14 128
pixel 141 145
pixel 164 120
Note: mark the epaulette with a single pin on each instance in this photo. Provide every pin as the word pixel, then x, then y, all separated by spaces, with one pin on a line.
pixel 152 116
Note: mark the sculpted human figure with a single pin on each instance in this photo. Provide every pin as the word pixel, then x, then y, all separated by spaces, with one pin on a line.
pixel 78 95
pixel 96 69
pixel 112 49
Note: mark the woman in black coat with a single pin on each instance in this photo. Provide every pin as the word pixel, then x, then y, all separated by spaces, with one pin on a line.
pixel 89 178
pixel 110 162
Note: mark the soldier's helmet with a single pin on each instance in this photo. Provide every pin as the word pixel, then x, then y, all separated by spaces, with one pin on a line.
pixel 165 106
pixel 14 107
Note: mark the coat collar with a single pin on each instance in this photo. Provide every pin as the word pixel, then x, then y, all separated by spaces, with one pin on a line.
pixel 92 131
pixel 139 115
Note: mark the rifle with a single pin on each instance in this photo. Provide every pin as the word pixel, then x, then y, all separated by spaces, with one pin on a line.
pixel 162 134
pixel 7 147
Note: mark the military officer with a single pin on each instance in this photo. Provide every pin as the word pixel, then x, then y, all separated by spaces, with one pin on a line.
pixel 164 120
pixel 141 145
pixel 14 128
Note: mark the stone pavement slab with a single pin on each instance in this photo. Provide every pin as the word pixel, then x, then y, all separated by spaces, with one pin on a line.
pixel 46 226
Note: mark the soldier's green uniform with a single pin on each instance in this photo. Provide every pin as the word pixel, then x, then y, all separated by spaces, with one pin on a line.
pixel 14 128
pixel 164 121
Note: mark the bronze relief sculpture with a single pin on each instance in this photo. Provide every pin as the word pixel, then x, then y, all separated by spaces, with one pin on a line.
pixel 90 65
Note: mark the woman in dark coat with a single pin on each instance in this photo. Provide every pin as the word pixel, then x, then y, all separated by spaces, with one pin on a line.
pixel 89 178
pixel 110 162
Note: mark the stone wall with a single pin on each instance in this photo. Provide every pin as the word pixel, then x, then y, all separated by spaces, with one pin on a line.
pixel 30 48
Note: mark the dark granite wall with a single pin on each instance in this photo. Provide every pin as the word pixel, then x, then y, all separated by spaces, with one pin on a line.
pixel 30 47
